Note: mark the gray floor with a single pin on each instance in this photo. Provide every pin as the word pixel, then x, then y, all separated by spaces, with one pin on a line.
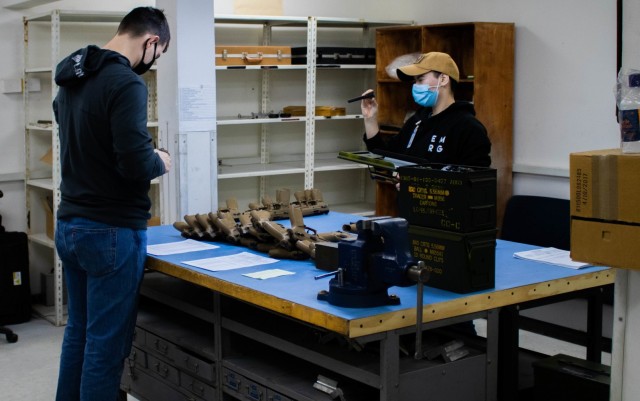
pixel 29 368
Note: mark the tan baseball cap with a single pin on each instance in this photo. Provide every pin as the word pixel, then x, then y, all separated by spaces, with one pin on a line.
pixel 432 61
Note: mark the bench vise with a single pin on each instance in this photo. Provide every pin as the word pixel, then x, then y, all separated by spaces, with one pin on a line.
pixel 379 258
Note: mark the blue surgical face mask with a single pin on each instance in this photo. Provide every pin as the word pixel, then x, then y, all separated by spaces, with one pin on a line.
pixel 424 96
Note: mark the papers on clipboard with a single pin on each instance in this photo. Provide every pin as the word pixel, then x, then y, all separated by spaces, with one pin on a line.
pixel 552 256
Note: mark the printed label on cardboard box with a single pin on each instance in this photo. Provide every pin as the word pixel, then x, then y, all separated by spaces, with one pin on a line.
pixel 605 184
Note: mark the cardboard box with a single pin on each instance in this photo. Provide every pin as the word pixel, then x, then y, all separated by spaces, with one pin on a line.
pixel 605 243
pixel 253 55
pixel 446 197
pixel 47 205
pixel 605 184
pixel 48 157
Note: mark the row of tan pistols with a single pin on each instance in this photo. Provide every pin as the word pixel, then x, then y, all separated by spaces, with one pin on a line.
pixel 255 229
pixel 310 201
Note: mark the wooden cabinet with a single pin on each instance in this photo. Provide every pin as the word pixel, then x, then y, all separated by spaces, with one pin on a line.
pixel 484 52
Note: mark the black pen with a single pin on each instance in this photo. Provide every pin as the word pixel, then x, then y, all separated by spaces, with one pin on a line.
pixel 365 96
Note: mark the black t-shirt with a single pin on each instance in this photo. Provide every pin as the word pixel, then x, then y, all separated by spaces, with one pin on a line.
pixel 453 136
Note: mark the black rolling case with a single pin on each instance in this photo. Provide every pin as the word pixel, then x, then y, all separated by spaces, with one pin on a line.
pixel 15 292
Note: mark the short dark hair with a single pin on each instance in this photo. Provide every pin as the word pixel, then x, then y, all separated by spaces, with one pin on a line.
pixel 142 20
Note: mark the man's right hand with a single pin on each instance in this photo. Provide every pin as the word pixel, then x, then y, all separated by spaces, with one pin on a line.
pixel 166 159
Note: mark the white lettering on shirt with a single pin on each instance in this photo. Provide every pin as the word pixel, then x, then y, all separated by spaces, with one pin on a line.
pixel 436 139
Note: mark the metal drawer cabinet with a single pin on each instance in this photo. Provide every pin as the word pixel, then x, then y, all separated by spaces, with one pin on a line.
pixel 275 396
pixel 241 387
pixel 182 360
pixel 163 369
pixel 197 387
pixel 147 387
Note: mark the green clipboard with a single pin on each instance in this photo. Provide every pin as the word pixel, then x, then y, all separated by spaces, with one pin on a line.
pixel 374 160
pixel 381 168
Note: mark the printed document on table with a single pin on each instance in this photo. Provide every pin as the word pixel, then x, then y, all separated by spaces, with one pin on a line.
pixel 230 262
pixel 270 273
pixel 171 248
pixel 552 256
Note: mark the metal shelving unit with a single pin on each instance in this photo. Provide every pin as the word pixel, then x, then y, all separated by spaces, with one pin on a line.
pixel 265 164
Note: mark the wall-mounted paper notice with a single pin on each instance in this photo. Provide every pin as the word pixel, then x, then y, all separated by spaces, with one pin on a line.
pixel 258 7
pixel 197 106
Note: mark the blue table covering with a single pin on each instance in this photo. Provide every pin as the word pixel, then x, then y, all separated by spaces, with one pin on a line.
pixel 302 288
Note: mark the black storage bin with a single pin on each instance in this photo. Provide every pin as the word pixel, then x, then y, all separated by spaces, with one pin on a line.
pixel 448 197
pixel 335 55
pixel 457 262
pixel 565 378
pixel 15 291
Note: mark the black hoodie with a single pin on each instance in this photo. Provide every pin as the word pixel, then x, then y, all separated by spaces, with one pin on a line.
pixel 106 153
pixel 453 136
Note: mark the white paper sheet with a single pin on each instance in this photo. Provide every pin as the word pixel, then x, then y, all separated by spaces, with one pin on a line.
pixel 171 248
pixel 551 256
pixel 271 273
pixel 237 261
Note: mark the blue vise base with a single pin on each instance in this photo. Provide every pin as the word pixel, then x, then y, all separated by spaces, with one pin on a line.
pixel 379 258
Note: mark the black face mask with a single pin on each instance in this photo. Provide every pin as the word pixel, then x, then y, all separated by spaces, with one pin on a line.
pixel 143 67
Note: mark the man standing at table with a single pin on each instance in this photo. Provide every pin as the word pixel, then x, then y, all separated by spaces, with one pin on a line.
pixel 107 162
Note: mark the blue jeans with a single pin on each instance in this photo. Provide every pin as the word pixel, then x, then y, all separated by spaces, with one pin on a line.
pixel 103 267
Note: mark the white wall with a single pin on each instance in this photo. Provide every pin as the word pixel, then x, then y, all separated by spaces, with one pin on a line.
pixel 565 72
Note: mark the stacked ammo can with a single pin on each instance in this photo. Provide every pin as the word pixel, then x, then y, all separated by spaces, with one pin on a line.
pixel 451 212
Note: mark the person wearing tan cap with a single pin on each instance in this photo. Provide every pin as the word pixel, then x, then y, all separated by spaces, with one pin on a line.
pixel 442 130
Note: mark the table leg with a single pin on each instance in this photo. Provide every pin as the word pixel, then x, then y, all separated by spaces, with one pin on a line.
pixel 594 325
pixel 620 311
pixel 508 345
pixel 492 354
pixel 390 367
